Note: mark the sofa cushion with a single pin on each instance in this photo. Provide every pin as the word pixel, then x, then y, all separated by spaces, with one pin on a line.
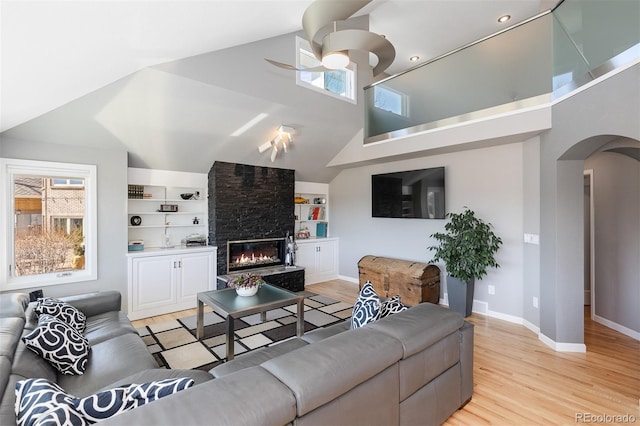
pixel 257 357
pixel 156 374
pixel 13 305
pixel 420 326
pixel 108 362
pixel 61 311
pixel 60 344
pixel 106 326
pixel 366 308
pixel 10 333
pixel 322 372
pixel 247 398
pixel 323 332
pixel 40 401
pixel 391 306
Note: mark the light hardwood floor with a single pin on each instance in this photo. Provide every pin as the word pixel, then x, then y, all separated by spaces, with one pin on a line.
pixel 518 380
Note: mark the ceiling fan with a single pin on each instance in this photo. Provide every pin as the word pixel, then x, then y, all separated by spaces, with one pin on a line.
pixel 331 46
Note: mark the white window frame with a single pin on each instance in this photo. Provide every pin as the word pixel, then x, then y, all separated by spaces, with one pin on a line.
pixel 404 101
pixel 302 44
pixel 9 168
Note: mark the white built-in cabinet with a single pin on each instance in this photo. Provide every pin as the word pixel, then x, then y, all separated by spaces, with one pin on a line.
pixel 319 257
pixel 169 281
pixel 166 276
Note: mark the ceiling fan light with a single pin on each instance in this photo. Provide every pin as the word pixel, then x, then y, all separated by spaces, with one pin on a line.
pixel 335 60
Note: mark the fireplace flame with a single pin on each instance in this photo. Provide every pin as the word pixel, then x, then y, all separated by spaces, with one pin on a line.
pixel 252 258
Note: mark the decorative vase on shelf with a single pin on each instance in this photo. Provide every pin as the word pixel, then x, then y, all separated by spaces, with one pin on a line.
pixel 246 291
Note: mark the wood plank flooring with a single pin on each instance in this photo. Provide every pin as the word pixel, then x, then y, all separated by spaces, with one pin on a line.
pixel 521 381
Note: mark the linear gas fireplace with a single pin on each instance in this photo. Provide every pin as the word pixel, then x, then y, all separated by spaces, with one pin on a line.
pixel 249 254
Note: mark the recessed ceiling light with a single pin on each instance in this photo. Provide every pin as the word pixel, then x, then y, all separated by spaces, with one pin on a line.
pixel 414 58
pixel 504 18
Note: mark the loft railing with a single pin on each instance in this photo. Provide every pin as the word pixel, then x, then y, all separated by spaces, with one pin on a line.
pixel 525 65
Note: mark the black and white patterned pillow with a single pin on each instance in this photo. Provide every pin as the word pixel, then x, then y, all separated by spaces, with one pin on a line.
pixel 62 311
pixel 366 308
pixel 40 401
pixel 60 344
pixel 391 306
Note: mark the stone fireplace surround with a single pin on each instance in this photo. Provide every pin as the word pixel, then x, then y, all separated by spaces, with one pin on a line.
pixel 247 203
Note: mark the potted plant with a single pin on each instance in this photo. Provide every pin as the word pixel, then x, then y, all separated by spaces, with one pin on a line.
pixel 78 257
pixel 246 284
pixel 467 247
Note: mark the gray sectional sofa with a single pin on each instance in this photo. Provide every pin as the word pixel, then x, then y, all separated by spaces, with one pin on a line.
pixel 412 368
pixel 118 355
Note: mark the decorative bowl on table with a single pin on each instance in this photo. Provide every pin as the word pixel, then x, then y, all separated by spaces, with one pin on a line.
pixel 186 196
pixel 246 284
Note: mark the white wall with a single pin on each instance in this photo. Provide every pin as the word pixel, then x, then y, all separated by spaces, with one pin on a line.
pixel 487 180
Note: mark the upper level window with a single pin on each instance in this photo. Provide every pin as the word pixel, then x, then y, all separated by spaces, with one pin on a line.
pixel 390 100
pixel 338 83
pixel 50 216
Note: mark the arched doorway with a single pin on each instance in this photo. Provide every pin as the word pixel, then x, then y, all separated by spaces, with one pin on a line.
pixel 612 235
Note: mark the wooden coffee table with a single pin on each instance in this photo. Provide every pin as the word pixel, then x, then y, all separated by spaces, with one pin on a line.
pixel 231 306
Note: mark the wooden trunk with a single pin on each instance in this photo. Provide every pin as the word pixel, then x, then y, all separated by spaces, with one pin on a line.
pixel 414 282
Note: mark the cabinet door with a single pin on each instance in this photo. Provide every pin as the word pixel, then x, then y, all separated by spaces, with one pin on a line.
pixel 196 275
pixel 153 282
pixel 326 256
pixel 306 257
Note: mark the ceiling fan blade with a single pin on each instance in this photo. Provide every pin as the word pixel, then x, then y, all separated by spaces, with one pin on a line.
pixel 361 40
pixel 292 68
pixel 323 12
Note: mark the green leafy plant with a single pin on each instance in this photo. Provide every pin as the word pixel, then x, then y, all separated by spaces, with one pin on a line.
pixel 246 280
pixel 468 246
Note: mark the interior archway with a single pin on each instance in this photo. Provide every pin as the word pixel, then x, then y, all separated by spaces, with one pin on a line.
pixel 614 166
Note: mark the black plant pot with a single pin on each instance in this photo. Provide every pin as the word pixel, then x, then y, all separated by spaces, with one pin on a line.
pixel 460 295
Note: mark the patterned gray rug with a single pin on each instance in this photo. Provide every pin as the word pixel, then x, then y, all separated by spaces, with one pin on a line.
pixel 174 344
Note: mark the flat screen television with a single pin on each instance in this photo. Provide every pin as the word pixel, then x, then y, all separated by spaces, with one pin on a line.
pixel 417 194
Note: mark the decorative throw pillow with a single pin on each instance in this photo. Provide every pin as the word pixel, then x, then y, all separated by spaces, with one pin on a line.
pixel 60 344
pixel 391 306
pixel 366 308
pixel 39 401
pixel 62 311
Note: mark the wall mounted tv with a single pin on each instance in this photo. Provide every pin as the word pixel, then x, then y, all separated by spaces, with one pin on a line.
pixel 411 194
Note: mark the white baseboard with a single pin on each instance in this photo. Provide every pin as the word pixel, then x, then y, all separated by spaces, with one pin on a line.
pixel 617 327
pixel 350 279
pixel 531 326
pixel 482 308
pixel 562 347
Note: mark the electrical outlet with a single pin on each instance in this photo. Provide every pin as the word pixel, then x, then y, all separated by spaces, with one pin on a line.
pixel 35 295
pixel 535 302
pixel 532 239
pixel 491 289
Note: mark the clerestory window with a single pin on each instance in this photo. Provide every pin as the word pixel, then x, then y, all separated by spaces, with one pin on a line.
pixel 337 83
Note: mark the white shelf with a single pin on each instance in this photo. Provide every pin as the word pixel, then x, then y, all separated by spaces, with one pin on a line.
pixel 158 227
pixel 302 211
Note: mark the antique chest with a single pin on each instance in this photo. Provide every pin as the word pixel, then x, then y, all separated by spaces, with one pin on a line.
pixel 414 282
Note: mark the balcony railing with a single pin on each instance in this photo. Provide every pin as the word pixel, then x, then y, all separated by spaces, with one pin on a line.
pixel 525 65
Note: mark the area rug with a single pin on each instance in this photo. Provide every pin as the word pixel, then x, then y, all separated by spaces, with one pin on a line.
pixel 174 344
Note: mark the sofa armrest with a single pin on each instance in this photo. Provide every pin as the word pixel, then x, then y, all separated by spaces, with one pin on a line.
pixel 466 362
pixel 96 303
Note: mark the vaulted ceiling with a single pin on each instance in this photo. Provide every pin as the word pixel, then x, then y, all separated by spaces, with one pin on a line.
pixel 170 81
